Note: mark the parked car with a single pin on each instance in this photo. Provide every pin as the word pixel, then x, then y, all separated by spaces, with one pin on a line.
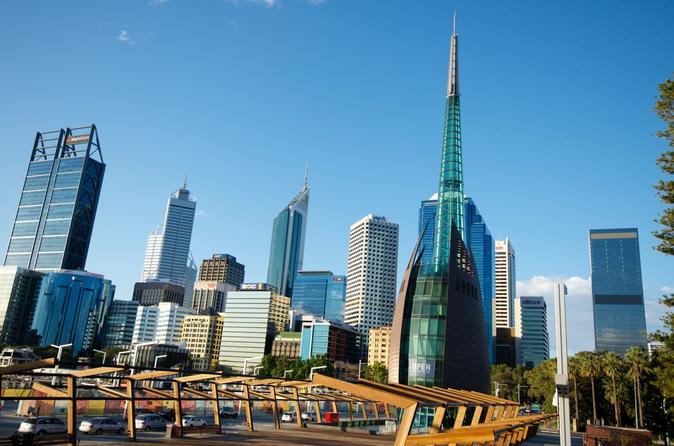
pixel 99 425
pixel 149 421
pixel 228 412
pixel 42 425
pixel 167 413
pixel 308 417
pixel 142 410
pixel 288 417
pixel 190 420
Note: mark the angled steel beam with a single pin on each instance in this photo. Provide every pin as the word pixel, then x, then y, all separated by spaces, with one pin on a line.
pixel 15 369
pixel 98 371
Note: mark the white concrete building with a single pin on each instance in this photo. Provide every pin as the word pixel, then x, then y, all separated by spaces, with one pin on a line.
pixel 160 323
pixel 505 285
pixel 371 275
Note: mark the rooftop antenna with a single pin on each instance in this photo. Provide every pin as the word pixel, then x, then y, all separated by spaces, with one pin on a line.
pixel 454 24
pixel 185 182
pixel 306 174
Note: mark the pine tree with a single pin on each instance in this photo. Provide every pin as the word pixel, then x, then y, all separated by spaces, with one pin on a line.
pixel 664 107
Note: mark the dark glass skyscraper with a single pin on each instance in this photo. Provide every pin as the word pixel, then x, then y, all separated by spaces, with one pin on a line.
pixel 55 219
pixel 438 336
pixel 321 294
pixel 287 243
pixel 617 291
pixel 427 214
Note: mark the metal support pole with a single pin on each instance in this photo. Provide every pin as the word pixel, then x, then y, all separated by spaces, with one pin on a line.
pixel 249 409
pixel 216 405
pixel 130 411
pixel 375 406
pixel 317 409
pixel 298 407
pixel 72 409
pixel 177 406
pixel 349 408
pixel 562 377
pixel 274 407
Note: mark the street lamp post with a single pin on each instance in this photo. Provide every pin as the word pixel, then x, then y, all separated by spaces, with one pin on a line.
pixel 105 354
pixel 58 359
pixel 285 373
pixel 519 387
pixel 157 358
pixel 311 376
pixel 245 363
pixel 257 369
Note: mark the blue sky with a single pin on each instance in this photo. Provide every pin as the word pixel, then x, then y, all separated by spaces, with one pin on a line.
pixel 557 108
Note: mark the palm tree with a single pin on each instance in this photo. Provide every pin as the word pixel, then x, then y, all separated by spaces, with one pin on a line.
pixel 612 365
pixel 574 371
pixel 637 361
pixel 589 368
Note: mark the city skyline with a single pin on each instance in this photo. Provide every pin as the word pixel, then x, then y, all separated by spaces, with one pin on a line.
pixel 333 209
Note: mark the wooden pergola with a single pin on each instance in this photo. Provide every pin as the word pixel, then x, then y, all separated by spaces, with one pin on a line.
pixel 459 416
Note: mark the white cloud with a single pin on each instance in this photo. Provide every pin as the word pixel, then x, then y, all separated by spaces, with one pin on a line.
pixel 667 290
pixel 125 38
pixel 315 2
pixel 158 2
pixel 201 213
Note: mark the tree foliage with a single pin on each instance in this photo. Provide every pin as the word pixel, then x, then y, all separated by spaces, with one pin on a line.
pixel 376 372
pixel 664 107
pixel 276 366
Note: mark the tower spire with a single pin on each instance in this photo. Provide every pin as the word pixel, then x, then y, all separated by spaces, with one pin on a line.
pixel 185 182
pixel 453 77
pixel 306 174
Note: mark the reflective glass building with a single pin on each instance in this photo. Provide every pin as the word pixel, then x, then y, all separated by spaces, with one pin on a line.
pixel 426 227
pixel 118 326
pixel 439 336
pixel 481 245
pixel 55 219
pixel 617 291
pixel 287 243
pixel 334 339
pixel 71 308
pixel 319 293
pixel 19 289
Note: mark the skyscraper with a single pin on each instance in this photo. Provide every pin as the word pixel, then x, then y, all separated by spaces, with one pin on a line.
pixel 19 288
pixel 252 319
pixel 56 214
pixel 119 323
pixel 210 296
pixel 531 330
pixel 438 335
pixel 222 268
pixel 505 281
pixel 371 275
pixel 168 246
pixel 321 294
pixel 287 243
pixel 426 228
pixel 481 245
pixel 617 290
pixel 71 308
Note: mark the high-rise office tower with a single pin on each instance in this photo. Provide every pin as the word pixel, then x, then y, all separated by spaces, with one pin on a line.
pixel 19 289
pixel 505 283
pixel 55 219
pixel 159 323
pixel 71 309
pixel 426 228
pixel 371 275
pixel 252 319
pixel 202 335
pixel 152 293
pixel 119 323
pixel 191 273
pixel 210 296
pixel 222 268
pixel 617 291
pixel 168 247
pixel 481 245
pixel 438 336
pixel 321 294
pixel 531 330
pixel 287 243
